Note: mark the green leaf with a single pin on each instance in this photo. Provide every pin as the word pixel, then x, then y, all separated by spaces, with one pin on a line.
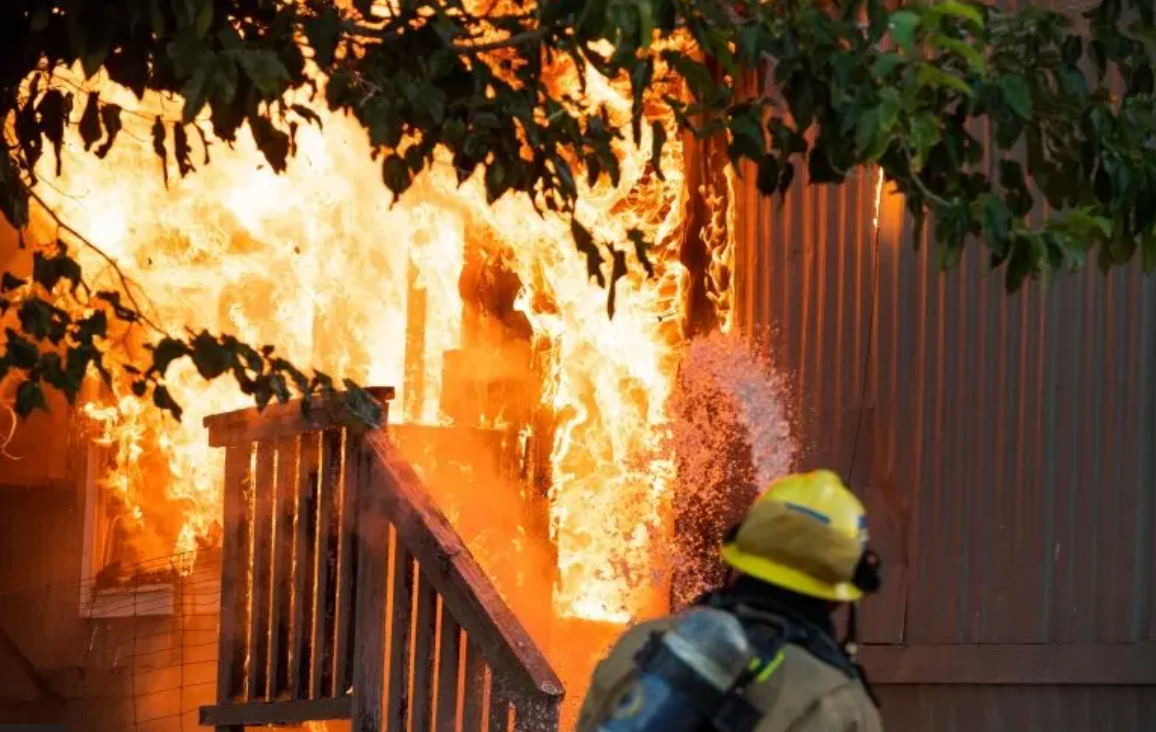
pixel 929 75
pixel 30 397
pixel 204 17
pixel 904 25
pixel 925 134
pixel 964 50
pixel 1017 94
pixel 886 63
pixel 584 240
pixel 958 10
pixel 995 218
pixel 747 136
pixel 265 70
pixel 1148 251
pixel 867 131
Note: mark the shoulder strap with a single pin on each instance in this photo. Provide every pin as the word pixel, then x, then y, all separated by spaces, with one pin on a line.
pixel 771 631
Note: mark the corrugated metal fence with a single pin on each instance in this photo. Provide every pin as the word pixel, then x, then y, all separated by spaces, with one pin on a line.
pixel 1006 451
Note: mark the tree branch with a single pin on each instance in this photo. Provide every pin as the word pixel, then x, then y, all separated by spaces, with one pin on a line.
pixel 124 279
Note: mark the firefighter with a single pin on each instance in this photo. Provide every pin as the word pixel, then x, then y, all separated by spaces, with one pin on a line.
pixel 797 556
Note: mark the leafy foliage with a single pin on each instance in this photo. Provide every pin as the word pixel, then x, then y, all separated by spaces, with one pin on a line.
pixel 904 86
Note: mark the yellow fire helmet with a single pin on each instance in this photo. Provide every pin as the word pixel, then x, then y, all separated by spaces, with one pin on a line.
pixel 806 533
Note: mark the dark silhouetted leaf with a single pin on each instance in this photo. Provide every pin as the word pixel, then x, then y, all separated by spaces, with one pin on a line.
pixel 22 353
pixel 617 272
pixel 396 175
pixel 181 150
pixel 53 111
pixel 30 397
pixel 167 351
pixel 158 132
pixel 110 116
pixel 584 240
pixel 9 282
pixel 164 400
pixel 90 121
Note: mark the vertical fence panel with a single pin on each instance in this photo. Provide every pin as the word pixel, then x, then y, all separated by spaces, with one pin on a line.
pixel 261 576
pixel 397 705
pixel 347 567
pixel 283 516
pixel 448 672
pixel 304 559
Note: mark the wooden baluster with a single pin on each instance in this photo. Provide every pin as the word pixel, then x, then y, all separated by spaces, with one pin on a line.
pixel 372 565
pixel 475 689
pixel 282 566
pixel 305 542
pixel 499 703
pixel 234 576
pixel 423 654
pixel 397 710
pixel 263 493
pixel 448 654
pixel 347 567
pixel 321 680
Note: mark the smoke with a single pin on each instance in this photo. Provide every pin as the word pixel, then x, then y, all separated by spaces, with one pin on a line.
pixel 731 435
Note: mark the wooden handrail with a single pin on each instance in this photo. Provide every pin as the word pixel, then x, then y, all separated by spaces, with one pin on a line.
pixel 400 497
pixel 280 420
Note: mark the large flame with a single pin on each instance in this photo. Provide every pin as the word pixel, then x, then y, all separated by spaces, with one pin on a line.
pixel 319 261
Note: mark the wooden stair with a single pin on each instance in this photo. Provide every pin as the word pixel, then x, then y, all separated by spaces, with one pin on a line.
pixel 346 594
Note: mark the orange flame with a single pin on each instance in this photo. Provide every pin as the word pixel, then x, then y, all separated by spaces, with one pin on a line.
pixel 317 261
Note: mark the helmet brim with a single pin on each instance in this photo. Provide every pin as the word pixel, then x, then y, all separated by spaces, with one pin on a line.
pixel 788 578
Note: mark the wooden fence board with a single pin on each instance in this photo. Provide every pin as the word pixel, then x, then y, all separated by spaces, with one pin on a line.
pixel 283 517
pixel 449 651
pixel 304 560
pixel 259 587
pixel 474 688
pixel 423 654
pixel 397 705
pixel 346 567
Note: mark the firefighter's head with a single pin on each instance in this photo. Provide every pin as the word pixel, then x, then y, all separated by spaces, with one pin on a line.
pixel 806 533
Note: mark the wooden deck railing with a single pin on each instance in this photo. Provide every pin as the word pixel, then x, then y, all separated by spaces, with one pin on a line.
pixel 346 594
